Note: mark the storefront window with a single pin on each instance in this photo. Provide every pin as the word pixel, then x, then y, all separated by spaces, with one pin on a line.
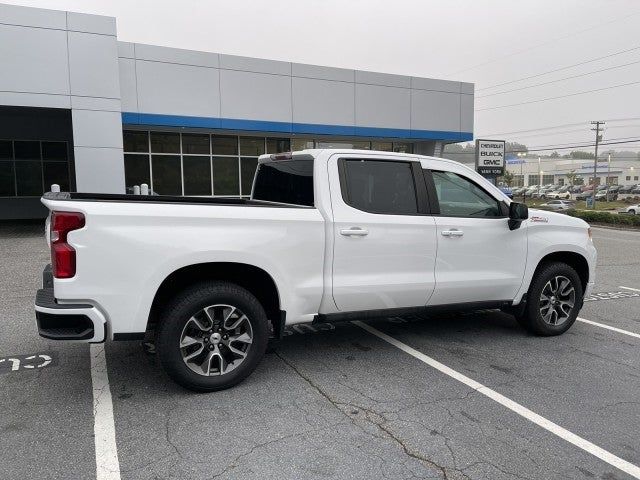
pixel 29 168
pixel 162 142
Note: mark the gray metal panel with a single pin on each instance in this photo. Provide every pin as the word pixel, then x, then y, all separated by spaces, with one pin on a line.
pixel 322 73
pixel 323 102
pixel 128 92
pixel 258 65
pixel 435 111
pixel 176 55
pixel 32 17
pixel 34 100
pixel 433 84
pixel 93 65
pixel 82 22
pixel 96 103
pixel 466 113
pixel 126 50
pixel 387 79
pixel 99 170
pixel 255 96
pixel 177 89
pixel 467 88
pixel 385 107
pixel 97 129
pixel 33 60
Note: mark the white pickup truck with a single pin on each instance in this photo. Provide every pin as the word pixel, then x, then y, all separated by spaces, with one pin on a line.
pixel 327 235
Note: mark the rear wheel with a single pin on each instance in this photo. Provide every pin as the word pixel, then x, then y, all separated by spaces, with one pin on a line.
pixel 553 301
pixel 212 336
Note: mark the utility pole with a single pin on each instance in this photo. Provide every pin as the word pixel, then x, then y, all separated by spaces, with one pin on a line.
pixel 595 161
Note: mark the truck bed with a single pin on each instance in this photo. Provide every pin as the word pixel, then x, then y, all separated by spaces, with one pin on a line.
pixel 115 197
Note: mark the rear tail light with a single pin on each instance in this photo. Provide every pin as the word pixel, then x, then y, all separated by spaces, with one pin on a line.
pixel 63 255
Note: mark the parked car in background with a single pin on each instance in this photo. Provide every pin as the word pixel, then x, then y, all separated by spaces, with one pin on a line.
pixel 562 193
pixel 634 209
pixel 636 190
pixel 558 205
pixel 575 188
pixel 584 195
pixel 518 191
pixel 626 189
pixel 608 196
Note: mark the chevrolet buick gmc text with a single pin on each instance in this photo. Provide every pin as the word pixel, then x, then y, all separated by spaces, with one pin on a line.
pixel 327 235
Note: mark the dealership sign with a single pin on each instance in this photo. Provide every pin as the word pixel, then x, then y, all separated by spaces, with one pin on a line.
pixel 490 157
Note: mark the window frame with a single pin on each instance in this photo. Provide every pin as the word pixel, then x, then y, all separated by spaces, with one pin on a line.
pixel 419 185
pixel 435 202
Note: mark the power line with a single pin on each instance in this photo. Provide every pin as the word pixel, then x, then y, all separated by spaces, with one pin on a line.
pixel 575 146
pixel 563 146
pixel 578 32
pixel 560 69
pixel 558 97
pixel 553 127
pixel 559 80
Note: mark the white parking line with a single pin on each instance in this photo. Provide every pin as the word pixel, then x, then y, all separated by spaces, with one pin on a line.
pixel 629 288
pixel 548 425
pixel 107 464
pixel 609 327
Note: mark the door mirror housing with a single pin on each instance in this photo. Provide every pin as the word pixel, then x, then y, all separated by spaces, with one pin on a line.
pixel 517 213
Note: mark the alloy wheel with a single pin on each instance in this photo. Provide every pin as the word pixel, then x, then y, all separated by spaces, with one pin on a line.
pixel 557 300
pixel 216 340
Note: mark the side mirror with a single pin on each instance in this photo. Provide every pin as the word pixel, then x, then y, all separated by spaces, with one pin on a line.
pixel 517 213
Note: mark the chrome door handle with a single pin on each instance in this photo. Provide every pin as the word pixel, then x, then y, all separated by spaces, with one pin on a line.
pixel 452 233
pixel 354 232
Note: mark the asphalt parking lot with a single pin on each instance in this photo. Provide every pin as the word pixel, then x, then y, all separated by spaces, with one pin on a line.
pixel 336 401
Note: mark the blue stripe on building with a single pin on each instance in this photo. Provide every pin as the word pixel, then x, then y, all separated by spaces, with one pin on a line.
pixel 154 119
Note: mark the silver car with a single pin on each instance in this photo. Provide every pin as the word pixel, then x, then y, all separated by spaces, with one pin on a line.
pixel 558 205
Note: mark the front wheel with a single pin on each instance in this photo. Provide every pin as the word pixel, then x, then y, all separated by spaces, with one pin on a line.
pixel 212 336
pixel 553 300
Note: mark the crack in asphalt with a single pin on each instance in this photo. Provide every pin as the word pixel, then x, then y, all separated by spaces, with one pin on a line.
pixel 378 421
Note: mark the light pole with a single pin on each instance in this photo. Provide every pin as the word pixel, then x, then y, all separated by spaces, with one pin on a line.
pixel 539 177
pixel 608 173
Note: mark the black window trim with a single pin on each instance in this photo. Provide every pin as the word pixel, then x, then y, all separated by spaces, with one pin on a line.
pixel 433 196
pixel 422 197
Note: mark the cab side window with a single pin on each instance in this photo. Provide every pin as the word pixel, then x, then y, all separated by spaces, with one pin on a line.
pixel 460 197
pixel 378 186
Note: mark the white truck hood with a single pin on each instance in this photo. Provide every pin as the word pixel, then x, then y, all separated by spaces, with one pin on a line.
pixel 545 217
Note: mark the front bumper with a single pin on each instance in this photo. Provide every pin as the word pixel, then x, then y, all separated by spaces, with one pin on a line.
pixel 66 321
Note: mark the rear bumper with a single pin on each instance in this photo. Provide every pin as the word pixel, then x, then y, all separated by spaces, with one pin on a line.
pixel 65 321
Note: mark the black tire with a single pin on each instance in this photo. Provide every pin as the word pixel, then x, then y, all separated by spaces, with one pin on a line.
pixel 532 319
pixel 633 212
pixel 186 305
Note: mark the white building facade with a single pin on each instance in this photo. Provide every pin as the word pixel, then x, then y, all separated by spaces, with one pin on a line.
pixel 83 110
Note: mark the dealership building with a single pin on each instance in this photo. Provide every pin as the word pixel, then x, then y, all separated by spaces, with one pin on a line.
pixel 80 109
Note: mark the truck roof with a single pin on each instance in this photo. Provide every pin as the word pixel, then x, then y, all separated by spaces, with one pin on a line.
pixel 315 152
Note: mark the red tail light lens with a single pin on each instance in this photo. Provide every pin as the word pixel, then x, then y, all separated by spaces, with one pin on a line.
pixel 63 255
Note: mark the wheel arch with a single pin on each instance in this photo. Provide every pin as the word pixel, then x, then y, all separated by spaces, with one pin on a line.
pixel 575 260
pixel 253 279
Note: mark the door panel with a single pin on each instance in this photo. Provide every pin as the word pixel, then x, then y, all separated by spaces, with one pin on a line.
pixel 379 260
pixel 485 263
pixel 479 257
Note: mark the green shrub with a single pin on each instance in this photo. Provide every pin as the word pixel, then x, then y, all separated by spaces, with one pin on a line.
pixel 592 216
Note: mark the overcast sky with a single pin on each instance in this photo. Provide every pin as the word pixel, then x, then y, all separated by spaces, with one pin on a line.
pixel 486 42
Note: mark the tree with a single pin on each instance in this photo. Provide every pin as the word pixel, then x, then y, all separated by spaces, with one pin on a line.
pixel 554 155
pixel 571 177
pixel 579 154
pixel 507 178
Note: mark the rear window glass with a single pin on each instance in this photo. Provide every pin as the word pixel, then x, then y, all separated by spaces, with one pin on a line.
pixel 285 181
